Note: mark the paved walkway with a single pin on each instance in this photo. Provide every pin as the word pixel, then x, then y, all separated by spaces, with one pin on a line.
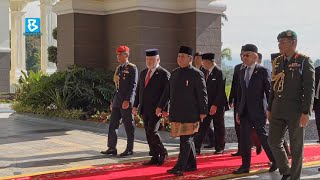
pixel 29 145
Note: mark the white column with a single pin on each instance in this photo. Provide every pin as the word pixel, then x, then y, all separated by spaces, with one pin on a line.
pixel 47 20
pixel 18 48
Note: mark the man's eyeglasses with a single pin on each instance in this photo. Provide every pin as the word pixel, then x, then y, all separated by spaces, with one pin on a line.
pixel 245 55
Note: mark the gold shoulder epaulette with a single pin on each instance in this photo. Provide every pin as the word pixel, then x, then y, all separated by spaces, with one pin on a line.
pixel 279 57
pixel 130 64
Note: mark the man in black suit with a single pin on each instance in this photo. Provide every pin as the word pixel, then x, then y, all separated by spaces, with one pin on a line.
pixel 151 85
pixel 187 93
pixel 254 87
pixel 198 63
pixel 215 82
pixel 316 104
pixel 233 103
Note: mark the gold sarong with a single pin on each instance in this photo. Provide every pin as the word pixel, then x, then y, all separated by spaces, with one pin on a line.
pixel 180 129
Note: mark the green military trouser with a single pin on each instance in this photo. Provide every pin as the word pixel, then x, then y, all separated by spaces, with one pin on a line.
pixel 277 129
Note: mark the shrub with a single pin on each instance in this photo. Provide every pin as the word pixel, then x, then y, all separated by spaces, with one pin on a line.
pixel 75 89
pixel 52 54
pixel 63 113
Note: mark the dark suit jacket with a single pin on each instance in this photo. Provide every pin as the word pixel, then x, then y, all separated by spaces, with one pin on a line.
pixel 216 89
pixel 317 77
pixel 187 94
pixel 254 97
pixel 147 98
pixel 234 85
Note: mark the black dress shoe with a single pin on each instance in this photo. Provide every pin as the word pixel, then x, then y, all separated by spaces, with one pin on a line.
pixel 208 146
pixel 148 163
pixel 162 158
pixel 171 171
pixel 259 150
pixel 109 151
pixel 241 170
pixel 175 172
pixel 273 167
pixel 218 152
pixel 236 154
pixel 153 160
pixel 285 177
pixel 126 153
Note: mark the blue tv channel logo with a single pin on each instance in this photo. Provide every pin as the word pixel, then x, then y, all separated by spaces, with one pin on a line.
pixel 32 25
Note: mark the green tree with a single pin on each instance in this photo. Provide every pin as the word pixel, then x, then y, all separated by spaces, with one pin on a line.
pixel 33 44
pixel 227 70
pixel 53 50
pixel 33 61
pixel 226 54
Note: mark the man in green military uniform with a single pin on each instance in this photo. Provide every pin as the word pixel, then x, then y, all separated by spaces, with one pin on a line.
pixel 290 101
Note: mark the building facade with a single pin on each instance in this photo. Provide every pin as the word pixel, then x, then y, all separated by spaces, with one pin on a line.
pixel 89 31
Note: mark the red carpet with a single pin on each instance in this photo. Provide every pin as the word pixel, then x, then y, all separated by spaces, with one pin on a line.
pixel 209 165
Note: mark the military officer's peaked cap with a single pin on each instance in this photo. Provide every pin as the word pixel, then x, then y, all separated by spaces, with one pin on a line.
pixel 208 56
pixel 186 50
pixel 152 52
pixel 123 49
pixel 250 47
pixel 275 55
pixel 287 34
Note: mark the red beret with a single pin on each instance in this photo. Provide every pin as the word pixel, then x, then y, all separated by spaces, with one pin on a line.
pixel 123 49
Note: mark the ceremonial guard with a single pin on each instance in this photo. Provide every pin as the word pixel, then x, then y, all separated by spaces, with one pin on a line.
pixel 125 78
pixel 290 103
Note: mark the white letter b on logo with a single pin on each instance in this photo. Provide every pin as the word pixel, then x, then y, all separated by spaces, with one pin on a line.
pixel 32 25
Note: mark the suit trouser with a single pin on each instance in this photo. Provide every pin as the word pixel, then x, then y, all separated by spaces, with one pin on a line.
pixel 254 137
pixel 317 115
pixel 246 125
pixel 210 136
pixel 127 119
pixel 219 131
pixel 277 129
pixel 236 126
pixel 151 125
pixel 187 155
